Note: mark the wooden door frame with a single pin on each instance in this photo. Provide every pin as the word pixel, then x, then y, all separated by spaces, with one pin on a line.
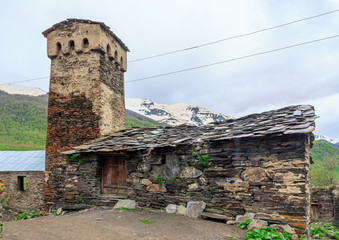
pixel 103 157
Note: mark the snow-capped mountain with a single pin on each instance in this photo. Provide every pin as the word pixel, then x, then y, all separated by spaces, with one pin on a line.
pixel 331 141
pixel 16 89
pixel 175 114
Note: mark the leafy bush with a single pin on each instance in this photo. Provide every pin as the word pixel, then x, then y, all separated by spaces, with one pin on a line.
pixel 286 235
pixel 159 179
pixel 245 224
pixel 328 230
pixel 26 215
pixel 201 161
pixel 267 233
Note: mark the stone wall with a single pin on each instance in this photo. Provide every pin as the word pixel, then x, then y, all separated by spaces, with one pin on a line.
pixel 32 199
pixel 86 95
pixel 324 205
pixel 268 176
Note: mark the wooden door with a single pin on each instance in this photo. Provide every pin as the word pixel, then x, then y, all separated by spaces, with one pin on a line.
pixel 114 175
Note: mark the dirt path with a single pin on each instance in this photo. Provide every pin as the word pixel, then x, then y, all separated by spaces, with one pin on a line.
pixel 119 225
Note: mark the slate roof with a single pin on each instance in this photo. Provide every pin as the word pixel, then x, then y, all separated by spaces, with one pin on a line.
pixel 288 120
pixel 11 161
pixel 70 20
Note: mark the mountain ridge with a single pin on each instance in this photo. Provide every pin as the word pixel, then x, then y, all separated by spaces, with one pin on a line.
pixel 327 139
pixel 159 114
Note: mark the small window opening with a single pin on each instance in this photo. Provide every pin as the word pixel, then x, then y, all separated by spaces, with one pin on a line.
pixel 85 42
pixel 121 61
pixel 22 180
pixel 108 50
pixel 71 45
pixel 58 47
pixel 116 55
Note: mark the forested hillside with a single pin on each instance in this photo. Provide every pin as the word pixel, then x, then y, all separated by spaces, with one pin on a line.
pixel 325 169
pixel 322 149
pixel 23 122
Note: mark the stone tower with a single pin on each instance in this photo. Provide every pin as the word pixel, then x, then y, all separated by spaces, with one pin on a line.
pixel 86 94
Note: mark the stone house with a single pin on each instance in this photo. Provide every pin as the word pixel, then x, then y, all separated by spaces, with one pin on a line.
pixel 259 163
pixel 24 178
pixel 325 204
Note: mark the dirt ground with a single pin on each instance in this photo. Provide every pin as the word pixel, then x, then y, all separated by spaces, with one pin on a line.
pixel 99 223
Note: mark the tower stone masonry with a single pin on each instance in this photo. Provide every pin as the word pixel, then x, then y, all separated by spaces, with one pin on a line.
pixel 86 94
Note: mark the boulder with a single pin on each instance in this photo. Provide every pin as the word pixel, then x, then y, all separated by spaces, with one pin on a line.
pixel 190 172
pixel 257 224
pixel 171 208
pixel 194 209
pixel 244 218
pixel 181 210
pixel 130 204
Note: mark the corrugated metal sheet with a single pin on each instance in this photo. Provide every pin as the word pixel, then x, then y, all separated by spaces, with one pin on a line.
pixel 22 161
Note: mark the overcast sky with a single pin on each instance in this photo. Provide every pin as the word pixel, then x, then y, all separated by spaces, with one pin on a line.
pixel 307 74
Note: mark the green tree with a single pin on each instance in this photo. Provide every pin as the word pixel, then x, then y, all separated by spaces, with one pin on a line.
pixel 325 173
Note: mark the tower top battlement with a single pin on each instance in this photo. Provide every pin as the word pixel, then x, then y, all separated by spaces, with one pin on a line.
pixel 81 36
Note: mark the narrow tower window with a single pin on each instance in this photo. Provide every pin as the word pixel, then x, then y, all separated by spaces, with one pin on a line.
pixel 71 45
pixel 121 62
pixel 108 50
pixel 58 48
pixel 85 42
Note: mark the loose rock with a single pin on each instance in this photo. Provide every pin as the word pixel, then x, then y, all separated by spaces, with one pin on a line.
pixel 194 209
pixel 125 204
pixel 244 218
pixel 171 208
pixel 181 210
pixel 257 223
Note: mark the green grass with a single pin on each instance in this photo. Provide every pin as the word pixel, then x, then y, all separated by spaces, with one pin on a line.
pixel 146 221
pixel 21 147
pixel 23 122
pixel 133 122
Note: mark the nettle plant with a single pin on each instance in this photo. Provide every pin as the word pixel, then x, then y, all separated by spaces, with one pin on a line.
pixel 3 199
pixel 201 161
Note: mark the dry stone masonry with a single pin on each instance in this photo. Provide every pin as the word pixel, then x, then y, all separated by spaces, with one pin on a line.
pixel 29 199
pixel 86 96
pixel 254 167
pixel 325 205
